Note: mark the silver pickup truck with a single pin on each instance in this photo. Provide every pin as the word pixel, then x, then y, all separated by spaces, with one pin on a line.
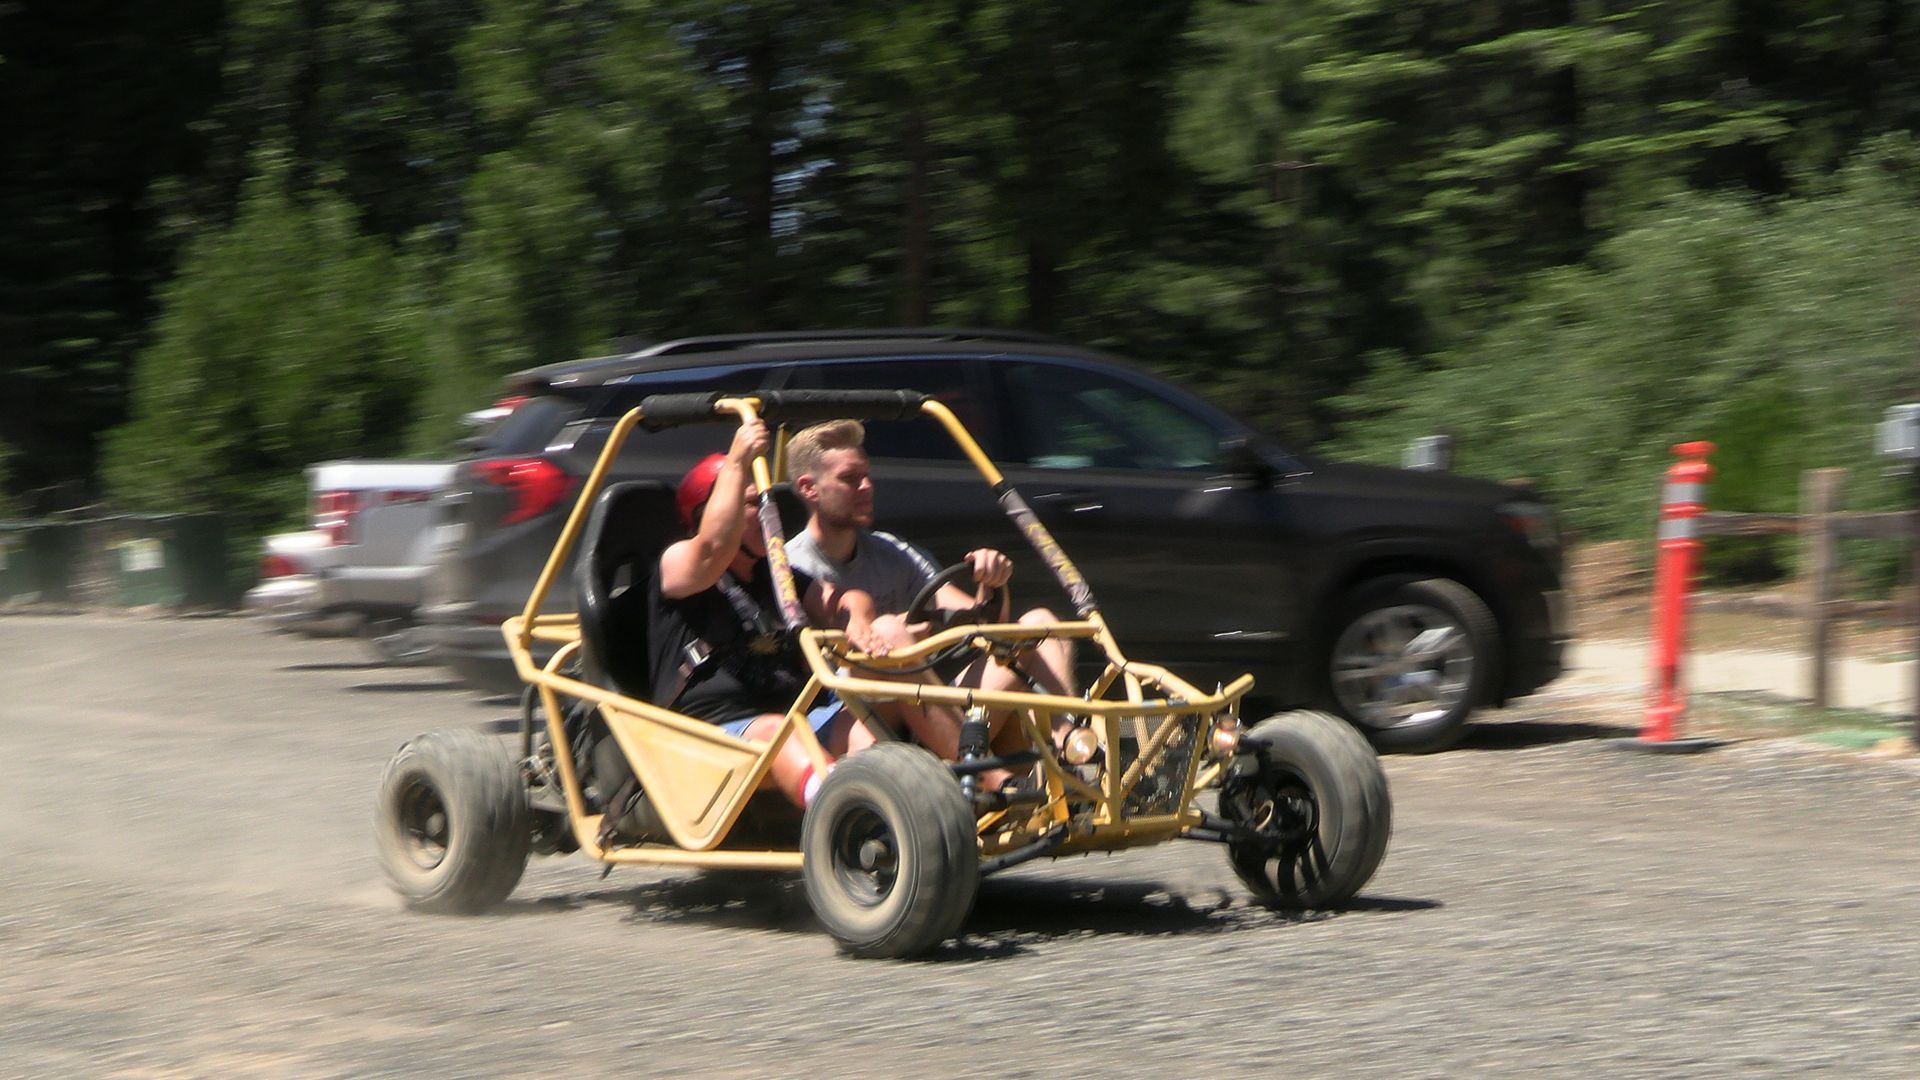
pixel 361 564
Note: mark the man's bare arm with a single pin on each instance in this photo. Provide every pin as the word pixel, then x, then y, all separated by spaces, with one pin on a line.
pixel 849 609
pixel 695 564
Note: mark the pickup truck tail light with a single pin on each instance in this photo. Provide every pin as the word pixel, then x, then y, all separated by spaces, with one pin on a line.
pixel 277 566
pixel 333 514
pixel 536 484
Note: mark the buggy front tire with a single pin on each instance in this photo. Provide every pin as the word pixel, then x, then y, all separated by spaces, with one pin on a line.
pixel 891 857
pixel 453 824
pixel 1314 791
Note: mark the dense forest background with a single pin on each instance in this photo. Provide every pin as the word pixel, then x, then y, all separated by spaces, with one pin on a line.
pixel 239 237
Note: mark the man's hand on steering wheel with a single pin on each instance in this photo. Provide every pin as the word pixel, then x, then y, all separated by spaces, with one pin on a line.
pixel 989 600
pixel 991 569
pixel 991 572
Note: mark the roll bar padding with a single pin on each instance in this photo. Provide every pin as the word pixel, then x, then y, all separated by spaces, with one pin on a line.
pixel 659 411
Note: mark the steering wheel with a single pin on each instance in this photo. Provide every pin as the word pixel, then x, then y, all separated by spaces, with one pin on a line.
pixel 923 610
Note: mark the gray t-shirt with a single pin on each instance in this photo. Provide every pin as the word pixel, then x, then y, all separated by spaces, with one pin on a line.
pixel 883 566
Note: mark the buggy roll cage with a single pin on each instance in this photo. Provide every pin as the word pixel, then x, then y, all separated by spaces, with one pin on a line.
pixel 699 778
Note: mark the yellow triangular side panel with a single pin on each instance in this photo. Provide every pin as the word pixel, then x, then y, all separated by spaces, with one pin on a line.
pixel 697 776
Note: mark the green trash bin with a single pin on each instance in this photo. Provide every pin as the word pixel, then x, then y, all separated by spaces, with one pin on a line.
pixel 171 560
pixel 37 561
pixel 17 581
pixel 199 553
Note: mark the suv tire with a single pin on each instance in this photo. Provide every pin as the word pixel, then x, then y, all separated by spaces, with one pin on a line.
pixel 1408 659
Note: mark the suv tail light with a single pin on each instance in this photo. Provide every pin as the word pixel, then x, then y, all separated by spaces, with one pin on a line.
pixel 273 566
pixel 333 513
pixel 535 483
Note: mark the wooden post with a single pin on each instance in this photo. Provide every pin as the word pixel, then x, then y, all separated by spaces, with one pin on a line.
pixel 1819 495
pixel 1913 599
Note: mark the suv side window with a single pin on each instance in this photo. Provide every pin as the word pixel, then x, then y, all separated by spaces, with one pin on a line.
pixel 948 380
pixel 1070 417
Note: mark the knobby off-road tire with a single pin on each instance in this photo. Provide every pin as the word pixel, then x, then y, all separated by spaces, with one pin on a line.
pixel 1317 791
pixel 453 825
pixel 1409 659
pixel 891 859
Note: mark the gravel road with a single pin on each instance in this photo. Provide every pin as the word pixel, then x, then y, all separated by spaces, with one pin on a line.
pixel 189 888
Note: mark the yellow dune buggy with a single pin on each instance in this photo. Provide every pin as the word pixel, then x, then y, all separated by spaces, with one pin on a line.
pixel 894 844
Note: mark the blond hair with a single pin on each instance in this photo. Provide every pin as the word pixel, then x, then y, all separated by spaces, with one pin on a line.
pixel 809 448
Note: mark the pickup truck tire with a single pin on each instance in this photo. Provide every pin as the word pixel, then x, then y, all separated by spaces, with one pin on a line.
pixel 1408 659
pixel 453 825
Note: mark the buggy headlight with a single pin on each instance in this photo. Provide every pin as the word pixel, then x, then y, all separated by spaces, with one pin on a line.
pixel 1225 740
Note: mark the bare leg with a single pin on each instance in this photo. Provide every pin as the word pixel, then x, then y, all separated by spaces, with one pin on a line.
pixel 1049 664
pixel 849 734
pixel 936 727
pixel 792 767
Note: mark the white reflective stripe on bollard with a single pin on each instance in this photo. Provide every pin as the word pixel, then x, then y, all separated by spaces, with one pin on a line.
pixel 1685 492
pixel 1680 528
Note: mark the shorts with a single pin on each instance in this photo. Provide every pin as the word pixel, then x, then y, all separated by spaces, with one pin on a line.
pixel 818 717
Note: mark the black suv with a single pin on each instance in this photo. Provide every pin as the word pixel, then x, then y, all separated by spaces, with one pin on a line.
pixel 1399 599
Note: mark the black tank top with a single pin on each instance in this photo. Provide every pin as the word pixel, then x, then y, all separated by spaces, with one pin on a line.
pixel 742 677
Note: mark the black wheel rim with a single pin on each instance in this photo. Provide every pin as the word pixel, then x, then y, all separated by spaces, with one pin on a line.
pixel 866 855
pixel 423 824
pixel 1282 808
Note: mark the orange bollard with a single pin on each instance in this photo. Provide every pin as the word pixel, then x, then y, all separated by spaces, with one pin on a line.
pixel 1677 558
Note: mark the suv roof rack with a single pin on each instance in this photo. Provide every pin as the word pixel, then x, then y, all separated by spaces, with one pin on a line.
pixel 722 342
pixel 594 370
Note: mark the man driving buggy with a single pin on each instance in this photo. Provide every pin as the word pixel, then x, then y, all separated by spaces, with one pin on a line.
pixel 714 625
pixel 841 548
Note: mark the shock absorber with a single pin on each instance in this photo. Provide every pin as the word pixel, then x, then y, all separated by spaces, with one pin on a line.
pixel 973 747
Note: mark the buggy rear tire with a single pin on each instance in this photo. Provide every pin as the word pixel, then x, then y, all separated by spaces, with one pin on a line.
pixel 1316 792
pixel 892 862
pixel 453 824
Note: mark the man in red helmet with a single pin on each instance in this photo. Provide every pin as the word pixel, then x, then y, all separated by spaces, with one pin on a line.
pixel 714 621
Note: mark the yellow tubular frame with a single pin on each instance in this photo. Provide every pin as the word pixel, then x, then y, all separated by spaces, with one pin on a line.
pixel 700 813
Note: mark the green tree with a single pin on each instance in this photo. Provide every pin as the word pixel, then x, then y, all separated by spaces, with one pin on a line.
pixel 576 107
pixel 1399 171
pixel 285 341
pixel 1776 329
pixel 364 99
pixel 90 116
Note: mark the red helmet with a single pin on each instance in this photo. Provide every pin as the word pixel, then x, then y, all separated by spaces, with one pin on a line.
pixel 695 487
